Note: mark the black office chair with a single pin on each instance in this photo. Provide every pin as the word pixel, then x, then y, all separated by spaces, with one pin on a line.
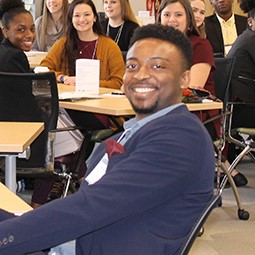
pixel 198 225
pixel 222 79
pixel 244 139
pixel 33 97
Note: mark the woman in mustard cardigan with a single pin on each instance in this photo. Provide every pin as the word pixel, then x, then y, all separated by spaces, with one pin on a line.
pixel 85 39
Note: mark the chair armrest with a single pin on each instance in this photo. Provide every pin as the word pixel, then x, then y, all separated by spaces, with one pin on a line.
pixel 69 128
pixel 101 135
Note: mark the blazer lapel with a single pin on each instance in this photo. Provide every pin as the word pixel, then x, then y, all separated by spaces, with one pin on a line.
pixel 218 33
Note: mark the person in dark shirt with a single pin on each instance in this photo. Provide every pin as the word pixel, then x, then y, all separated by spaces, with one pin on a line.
pixel 120 23
pixel 243 87
pixel 223 27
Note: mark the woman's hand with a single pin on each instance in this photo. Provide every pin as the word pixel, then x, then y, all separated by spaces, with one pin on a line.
pixel 70 80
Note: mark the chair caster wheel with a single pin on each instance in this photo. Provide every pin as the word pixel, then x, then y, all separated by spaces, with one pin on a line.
pixel 220 202
pixel 243 215
pixel 201 231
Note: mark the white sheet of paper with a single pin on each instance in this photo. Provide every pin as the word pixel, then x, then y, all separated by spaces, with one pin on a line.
pixel 87 76
pixel 143 14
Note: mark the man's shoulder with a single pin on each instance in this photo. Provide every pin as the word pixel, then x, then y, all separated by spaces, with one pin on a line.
pixel 180 114
pixel 210 18
pixel 240 17
pixel 211 23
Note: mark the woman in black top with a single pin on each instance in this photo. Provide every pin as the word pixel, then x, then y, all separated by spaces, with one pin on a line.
pixel 120 23
pixel 19 34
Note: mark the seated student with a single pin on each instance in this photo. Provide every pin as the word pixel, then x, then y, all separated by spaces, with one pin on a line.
pixel 120 23
pixel 223 26
pixel 51 25
pixel 19 34
pixel 85 39
pixel 243 88
pixel 198 7
pixel 138 205
pixel 179 14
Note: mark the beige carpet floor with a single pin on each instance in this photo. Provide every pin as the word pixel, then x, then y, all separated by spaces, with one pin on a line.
pixel 224 233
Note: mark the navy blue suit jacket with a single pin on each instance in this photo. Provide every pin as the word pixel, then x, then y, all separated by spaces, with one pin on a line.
pixel 145 204
pixel 214 34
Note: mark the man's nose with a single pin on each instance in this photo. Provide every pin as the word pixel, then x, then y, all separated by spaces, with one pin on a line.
pixel 142 74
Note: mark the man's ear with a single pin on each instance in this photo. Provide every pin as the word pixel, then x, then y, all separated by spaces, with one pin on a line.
pixel 4 30
pixel 249 21
pixel 185 79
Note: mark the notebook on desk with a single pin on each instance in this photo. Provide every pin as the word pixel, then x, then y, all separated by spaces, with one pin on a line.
pixel 73 95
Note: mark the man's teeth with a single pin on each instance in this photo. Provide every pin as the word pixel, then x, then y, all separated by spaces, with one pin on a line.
pixel 142 90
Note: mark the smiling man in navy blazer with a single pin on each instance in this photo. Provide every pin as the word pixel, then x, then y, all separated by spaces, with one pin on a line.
pixel 223 27
pixel 143 197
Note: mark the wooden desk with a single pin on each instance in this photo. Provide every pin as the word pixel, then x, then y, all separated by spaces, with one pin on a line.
pixel 15 137
pixel 12 203
pixel 118 106
pixel 35 57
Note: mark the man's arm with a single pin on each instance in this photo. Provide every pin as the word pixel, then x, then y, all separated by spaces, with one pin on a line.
pixel 159 160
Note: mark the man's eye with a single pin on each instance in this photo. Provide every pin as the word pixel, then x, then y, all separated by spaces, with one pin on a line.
pixel 158 66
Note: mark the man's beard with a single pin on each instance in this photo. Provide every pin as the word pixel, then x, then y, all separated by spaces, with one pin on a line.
pixel 146 110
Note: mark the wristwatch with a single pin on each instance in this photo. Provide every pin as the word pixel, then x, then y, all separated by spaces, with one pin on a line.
pixel 61 78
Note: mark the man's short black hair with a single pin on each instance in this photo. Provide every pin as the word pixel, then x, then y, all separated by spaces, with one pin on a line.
pixel 168 34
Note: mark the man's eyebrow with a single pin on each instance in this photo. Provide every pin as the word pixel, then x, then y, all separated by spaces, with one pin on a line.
pixel 152 58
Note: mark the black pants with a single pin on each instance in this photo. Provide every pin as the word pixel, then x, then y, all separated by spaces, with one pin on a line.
pixel 243 116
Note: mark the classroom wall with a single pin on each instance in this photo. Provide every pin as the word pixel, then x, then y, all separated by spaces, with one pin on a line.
pixel 137 5
pixel 140 5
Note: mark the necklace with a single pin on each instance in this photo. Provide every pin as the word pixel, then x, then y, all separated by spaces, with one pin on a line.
pixel 86 46
pixel 117 37
pixel 94 51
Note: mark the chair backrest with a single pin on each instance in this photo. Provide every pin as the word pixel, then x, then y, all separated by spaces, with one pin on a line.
pixel 222 77
pixel 30 97
pixel 199 224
